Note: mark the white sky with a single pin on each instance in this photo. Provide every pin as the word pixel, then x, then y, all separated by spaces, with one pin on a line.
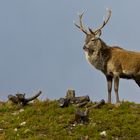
pixel 41 49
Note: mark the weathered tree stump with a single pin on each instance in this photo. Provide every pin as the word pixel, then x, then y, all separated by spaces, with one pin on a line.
pixel 98 105
pixel 71 99
pixel 64 102
pixel 80 99
pixel 20 98
pixel 70 93
pixel 81 116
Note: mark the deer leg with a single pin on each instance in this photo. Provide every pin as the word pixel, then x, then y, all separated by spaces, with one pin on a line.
pixel 116 87
pixel 109 86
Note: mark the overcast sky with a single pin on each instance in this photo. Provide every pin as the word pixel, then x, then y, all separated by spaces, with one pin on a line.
pixel 41 49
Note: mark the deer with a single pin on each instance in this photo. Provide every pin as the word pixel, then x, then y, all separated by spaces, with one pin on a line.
pixel 113 61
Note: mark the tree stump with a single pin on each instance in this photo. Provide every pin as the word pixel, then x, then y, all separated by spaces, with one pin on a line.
pixel 70 93
pixel 81 116
pixel 20 98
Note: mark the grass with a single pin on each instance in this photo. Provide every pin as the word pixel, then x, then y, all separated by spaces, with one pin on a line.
pixel 45 120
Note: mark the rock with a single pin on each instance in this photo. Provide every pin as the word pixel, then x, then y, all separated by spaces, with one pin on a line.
pixel 103 134
pixel 27 131
pixel 23 124
pixel 15 129
pixel 21 110
pixel 117 105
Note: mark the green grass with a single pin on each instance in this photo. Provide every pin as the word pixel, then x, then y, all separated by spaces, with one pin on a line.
pixel 45 120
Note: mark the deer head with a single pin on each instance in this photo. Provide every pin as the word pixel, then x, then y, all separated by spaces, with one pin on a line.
pixel 92 39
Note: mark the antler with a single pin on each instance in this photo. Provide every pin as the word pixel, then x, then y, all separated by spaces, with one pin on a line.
pixel 104 22
pixel 81 27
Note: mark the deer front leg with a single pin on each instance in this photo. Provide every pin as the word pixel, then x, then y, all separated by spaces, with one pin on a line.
pixel 116 87
pixel 109 86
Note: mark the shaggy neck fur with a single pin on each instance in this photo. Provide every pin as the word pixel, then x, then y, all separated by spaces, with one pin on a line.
pixel 100 56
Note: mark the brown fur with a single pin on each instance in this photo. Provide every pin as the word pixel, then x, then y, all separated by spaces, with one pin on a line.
pixel 124 63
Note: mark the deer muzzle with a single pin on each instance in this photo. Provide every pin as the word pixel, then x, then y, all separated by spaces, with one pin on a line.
pixel 85 48
pixel 88 49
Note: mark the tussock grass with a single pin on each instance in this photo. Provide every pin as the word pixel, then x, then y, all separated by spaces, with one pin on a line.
pixel 45 120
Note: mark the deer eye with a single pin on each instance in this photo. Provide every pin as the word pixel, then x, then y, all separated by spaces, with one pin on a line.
pixel 94 39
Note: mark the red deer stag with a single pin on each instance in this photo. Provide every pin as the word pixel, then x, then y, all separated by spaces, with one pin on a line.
pixel 113 61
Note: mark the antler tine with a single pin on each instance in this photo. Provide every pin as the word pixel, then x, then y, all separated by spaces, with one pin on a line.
pixel 105 20
pixel 81 27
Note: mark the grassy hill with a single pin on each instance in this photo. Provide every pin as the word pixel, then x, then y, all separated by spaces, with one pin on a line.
pixel 45 120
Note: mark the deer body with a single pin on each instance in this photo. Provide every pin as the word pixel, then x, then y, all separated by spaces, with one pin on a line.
pixel 113 61
pixel 125 64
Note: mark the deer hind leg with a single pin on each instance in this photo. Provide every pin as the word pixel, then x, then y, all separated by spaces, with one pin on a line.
pixel 116 87
pixel 109 86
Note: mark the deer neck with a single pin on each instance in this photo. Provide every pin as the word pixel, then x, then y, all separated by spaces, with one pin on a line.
pixel 100 57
